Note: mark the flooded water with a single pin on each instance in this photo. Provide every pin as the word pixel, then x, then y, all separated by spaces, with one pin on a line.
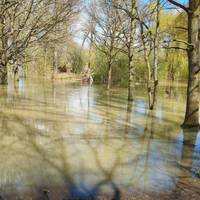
pixel 64 140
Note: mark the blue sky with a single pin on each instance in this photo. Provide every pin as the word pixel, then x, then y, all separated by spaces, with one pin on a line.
pixel 183 1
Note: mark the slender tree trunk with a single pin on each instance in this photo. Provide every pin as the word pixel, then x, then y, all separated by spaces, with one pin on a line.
pixel 155 66
pixel 15 71
pixel 109 73
pixel 90 78
pixel 170 79
pixel 90 51
pixel 45 61
pixel 193 93
pixel 110 60
pixel 149 89
pixel 148 79
pixel 55 50
pixel 112 34
pixel 3 55
pixel 55 60
pixel 131 64
pixel 3 73
pixel 131 84
pixel 148 65
pixel 17 68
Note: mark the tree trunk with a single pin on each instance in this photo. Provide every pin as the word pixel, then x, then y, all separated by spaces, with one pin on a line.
pixel 131 64
pixel 109 74
pixel 45 61
pixel 3 73
pixel 90 51
pixel 149 89
pixel 110 61
pixel 148 65
pixel 170 79
pixel 55 60
pixel 192 106
pixel 156 44
pixel 148 79
pixel 131 84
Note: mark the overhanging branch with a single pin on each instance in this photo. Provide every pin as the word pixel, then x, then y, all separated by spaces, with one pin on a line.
pixel 179 5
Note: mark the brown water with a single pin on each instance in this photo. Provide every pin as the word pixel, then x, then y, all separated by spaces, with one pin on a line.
pixel 70 141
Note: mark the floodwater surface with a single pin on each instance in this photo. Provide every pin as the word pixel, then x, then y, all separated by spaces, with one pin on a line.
pixel 64 140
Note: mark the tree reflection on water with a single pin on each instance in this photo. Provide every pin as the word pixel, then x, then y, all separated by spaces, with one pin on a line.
pixel 79 142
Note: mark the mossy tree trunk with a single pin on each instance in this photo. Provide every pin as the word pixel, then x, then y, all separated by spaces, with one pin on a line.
pixel 192 105
pixel 193 88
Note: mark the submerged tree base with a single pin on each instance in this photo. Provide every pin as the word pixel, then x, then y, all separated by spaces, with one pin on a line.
pixel 189 126
pixel 130 99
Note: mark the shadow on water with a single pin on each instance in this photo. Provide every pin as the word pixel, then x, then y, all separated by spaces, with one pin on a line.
pixel 190 158
pixel 34 151
pixel 71 142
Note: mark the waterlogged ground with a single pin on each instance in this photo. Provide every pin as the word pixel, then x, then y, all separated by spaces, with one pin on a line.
pixel 69 141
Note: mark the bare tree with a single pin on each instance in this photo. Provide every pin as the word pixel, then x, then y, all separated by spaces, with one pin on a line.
pixel 149 22
pixel 24 22
pixel 107 33
pixel 127 16
pixel 88 30
pixel 155 52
